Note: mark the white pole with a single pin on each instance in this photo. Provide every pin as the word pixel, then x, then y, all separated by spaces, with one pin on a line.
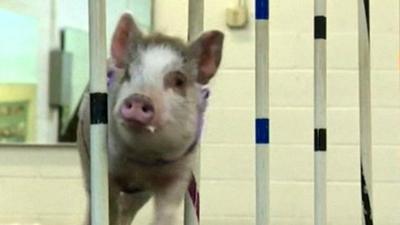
pixel 365 110
pixel 262 112
pixel 98 114
pixel 192 197
pixel 320 112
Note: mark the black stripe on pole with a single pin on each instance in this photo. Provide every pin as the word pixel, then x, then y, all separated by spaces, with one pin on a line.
pixel 366 200
pixel 366 7
pixel 319 140
pixel 320 27
pixel 98 108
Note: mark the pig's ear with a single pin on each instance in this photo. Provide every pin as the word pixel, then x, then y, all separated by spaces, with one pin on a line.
pixel 207 50
pixel 123 38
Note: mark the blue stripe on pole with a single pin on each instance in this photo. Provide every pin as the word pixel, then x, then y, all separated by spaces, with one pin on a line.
pixel 262 131
pixel 262 9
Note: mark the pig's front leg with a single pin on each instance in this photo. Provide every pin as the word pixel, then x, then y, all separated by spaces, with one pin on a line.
pixel 129 205
pixel 124 206
pixel 114 203
pixel 167 202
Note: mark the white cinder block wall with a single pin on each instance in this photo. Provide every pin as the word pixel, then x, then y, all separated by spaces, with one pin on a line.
pixel 44 186
pixel 228 150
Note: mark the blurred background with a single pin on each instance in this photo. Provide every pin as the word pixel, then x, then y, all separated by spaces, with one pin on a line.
pixel 44 70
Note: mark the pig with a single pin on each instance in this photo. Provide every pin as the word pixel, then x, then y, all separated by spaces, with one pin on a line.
pixel 155 103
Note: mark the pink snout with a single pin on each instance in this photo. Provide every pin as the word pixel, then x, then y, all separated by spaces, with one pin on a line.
pixel 137 108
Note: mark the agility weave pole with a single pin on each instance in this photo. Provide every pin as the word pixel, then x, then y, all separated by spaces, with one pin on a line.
pixel 192 196
pixel 99 210
pixel 320 112
pixel 262 111
pixel 365 110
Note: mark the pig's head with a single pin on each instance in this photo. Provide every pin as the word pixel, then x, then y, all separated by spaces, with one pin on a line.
pixel 156 96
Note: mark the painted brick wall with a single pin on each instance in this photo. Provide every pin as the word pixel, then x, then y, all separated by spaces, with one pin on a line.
pixel 42 185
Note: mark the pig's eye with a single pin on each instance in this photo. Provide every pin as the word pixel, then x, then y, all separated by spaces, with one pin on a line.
pixel 177 79
pixel 180 82
pixel 126 76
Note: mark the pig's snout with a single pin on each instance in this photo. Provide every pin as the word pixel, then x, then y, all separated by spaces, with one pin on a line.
pixel 137 108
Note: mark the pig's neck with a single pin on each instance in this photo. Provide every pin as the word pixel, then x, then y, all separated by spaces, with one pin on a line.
pixel 118 149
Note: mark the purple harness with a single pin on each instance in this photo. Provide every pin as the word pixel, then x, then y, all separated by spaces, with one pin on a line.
pixel 201 108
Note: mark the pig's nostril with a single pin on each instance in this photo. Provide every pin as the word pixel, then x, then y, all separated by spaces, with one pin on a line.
pixel 128 105
pixel 147 108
